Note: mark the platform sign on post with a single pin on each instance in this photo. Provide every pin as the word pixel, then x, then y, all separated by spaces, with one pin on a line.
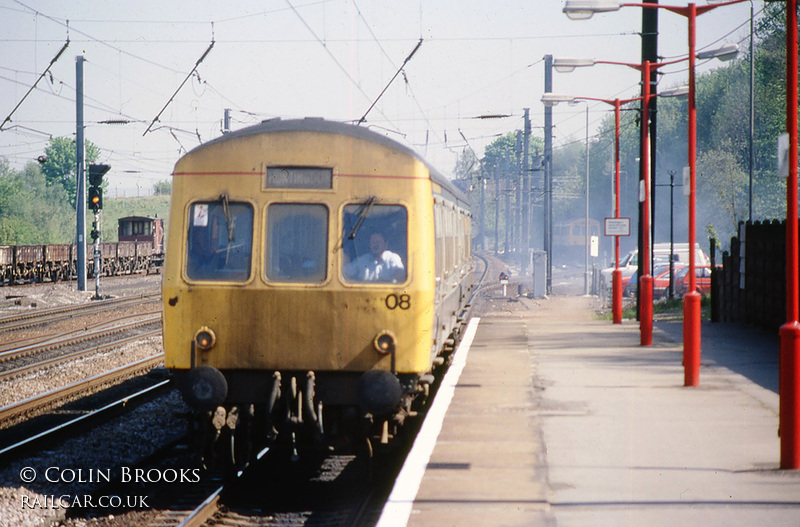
pixel 617 226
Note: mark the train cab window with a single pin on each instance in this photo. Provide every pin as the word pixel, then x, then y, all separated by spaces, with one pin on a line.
pixel 220 241
pixel 375 243
pixel 140 227
pixel 297 242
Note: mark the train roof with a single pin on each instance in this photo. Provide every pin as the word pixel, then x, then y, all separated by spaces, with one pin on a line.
pixel 137 218
pixel 316 124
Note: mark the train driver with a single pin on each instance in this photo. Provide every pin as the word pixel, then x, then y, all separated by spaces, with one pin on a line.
pixel 378 265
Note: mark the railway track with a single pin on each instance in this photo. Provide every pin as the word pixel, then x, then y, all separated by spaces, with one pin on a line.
pixel 13 351
pixel 124 404
pixel 13 412
pixel 334 496
pixel 52 315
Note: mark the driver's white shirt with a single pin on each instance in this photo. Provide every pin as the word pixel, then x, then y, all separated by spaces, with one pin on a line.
pixel 366 268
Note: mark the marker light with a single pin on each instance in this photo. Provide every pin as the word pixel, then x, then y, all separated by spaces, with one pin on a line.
pixel 205 339
pixel 384 342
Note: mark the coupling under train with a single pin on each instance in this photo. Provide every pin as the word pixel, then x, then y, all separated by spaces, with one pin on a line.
pixel 317 273
pixel 140 249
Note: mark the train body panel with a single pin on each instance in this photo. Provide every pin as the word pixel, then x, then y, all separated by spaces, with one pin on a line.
pixel 315 250
pixel 269 332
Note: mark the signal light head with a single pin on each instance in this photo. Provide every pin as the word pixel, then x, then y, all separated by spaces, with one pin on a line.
pixel 95 198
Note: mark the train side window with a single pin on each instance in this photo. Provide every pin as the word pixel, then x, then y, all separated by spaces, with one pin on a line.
pixel 220 241
pixel 297 242
pixel 374 243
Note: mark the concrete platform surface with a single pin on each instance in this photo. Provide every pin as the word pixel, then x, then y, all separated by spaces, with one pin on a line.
pixel 559 418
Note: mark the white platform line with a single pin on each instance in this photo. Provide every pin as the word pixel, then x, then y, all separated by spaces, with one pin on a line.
pixel 398 507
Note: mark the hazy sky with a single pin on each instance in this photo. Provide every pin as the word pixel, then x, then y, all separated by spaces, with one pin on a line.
pixel 324 58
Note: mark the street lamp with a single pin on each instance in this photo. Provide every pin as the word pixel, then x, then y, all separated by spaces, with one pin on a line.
pixel 583 9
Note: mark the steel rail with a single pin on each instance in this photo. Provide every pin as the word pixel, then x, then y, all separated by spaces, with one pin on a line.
pixel 48 399
pixel 204 511
pixel 48 363
pixel 13 349
pixel 54 314
pixel 126 403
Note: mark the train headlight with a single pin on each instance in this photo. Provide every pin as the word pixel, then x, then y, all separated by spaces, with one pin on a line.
pixel 384 342
pixel 205 338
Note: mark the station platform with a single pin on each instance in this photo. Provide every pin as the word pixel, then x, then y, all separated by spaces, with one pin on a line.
pixel 559 418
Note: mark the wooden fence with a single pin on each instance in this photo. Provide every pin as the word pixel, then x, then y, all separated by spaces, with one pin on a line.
pixel 750 285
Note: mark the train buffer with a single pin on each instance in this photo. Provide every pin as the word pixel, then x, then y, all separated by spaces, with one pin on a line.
pixel 558 417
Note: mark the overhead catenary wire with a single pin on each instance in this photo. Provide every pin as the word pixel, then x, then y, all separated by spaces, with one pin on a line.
pixel 58 55
pixel 332 56
pixel 408 58
pixel 201 59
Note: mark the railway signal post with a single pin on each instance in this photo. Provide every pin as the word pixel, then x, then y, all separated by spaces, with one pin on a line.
pixel 96 173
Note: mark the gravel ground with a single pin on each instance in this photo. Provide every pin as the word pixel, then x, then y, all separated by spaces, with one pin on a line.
pixel 41 381
pixel 38 296
pixel 119 443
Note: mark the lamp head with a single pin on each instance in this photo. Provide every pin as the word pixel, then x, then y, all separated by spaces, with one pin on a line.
pixel 568 64
pixel 584 9
pixel 724 53
pixel 551 99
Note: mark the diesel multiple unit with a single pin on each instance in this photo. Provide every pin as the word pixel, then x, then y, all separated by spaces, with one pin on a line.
pixel 315 273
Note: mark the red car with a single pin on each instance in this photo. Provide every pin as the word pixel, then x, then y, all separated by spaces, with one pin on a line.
pixel 702 280
pixel 660 281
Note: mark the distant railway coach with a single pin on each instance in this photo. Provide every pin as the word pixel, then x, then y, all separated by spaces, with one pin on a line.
pixel 313 269
pixel 141 229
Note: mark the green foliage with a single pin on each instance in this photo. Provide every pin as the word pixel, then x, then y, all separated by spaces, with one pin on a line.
pixel 32 212
pixel 162 188
pixel 60 168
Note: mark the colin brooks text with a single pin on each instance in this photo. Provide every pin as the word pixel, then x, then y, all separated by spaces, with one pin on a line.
pixel 65 501
pixel 127 475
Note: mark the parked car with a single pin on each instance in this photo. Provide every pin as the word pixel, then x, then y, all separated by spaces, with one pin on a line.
pixel 660 281
pixel 661 255
pixel 702 280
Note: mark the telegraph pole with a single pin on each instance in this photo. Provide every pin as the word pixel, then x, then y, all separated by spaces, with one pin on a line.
pixel 649 53
pixel 80 201
pixel 496 211
pixel 518 208
pixel 526 193
pixel 548 174
pixel 507 187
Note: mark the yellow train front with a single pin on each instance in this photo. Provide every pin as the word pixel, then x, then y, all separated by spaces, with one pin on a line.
pixel 315 271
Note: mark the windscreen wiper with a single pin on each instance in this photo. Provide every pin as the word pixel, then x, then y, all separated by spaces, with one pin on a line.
pixel 363 212
pixel 228 218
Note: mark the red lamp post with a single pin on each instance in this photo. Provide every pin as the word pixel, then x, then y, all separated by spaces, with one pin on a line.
pixel 789 425
pixel 790 332
pixel 691 305
pixel 646 280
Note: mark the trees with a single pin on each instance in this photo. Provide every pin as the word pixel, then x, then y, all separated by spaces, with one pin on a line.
pixel 162 188
pixel 31 211
pixel 60 166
